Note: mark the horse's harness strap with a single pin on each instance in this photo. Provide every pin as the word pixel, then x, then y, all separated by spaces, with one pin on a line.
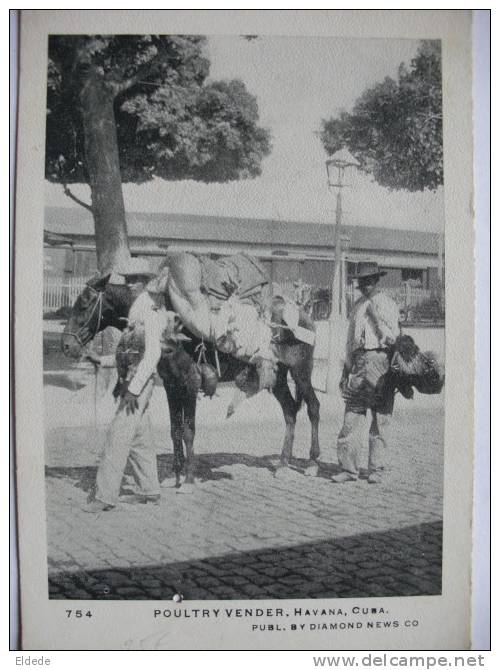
pixel 97 304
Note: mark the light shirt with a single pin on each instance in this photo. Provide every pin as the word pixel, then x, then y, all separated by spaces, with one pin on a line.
pixel 374 323
pixel 151 313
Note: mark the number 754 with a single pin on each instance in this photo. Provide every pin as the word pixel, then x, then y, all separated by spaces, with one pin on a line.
pixel 78 614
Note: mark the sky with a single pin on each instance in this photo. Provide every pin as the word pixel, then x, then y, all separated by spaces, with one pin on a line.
pixel 297 81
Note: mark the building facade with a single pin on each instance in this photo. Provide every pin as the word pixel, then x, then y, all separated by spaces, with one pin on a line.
pixel 290 250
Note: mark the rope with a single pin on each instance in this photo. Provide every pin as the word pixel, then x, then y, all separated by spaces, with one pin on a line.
pixel 216 353
pixel 201 349
pixel 217 364
pixel 202 356
pixel 96 386
pixel 96 425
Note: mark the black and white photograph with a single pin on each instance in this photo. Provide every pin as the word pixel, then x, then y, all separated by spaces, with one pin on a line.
pixel 237 377
pixel 244 318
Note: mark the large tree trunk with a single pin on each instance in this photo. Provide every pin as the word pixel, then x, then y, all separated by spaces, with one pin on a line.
pixel 103 166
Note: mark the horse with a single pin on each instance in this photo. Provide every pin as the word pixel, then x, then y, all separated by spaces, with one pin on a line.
pixel 102 304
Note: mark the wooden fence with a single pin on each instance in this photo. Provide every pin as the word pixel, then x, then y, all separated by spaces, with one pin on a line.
pixel 61 292
pixel 405 296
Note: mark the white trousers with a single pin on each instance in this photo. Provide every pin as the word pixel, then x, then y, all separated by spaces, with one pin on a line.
pixel 129 442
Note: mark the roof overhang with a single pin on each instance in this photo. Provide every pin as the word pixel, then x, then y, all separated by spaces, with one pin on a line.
pixel 56 239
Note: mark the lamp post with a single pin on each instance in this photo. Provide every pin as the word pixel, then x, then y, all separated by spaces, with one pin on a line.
pixel 345 241
pixel 336 167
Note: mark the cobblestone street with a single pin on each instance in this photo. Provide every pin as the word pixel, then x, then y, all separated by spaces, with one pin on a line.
pixel 247 531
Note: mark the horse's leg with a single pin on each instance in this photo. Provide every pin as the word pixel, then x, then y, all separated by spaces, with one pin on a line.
pixel 290 407
pixel 189 427
pixel 176 420
pixel 302 378
pixel 312 403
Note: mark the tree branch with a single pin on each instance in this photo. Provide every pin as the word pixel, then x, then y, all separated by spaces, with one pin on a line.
pixel 60 168
pixel 123 85
pixel 75 199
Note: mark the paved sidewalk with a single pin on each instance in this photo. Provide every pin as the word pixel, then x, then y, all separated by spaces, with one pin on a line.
pixel 247 531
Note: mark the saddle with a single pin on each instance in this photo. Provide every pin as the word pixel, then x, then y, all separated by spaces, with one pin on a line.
pixel 238 275
pixel 232 303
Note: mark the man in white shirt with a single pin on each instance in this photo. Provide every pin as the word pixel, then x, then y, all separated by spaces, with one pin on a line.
pixel 365 385
pixel 130 439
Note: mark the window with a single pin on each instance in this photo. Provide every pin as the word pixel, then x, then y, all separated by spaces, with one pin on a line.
pixel 415 276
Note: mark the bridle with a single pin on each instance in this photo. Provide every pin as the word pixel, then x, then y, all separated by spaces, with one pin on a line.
pixel 83 334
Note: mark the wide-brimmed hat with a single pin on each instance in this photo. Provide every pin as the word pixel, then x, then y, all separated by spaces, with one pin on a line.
pixel 365 269
pixel 135 266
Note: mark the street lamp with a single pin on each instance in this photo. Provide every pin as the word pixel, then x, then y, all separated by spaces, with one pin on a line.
pixel 336 167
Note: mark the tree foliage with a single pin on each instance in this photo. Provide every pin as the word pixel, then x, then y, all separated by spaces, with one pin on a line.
pixel 128 108
pixel 395 129
pixel 170 121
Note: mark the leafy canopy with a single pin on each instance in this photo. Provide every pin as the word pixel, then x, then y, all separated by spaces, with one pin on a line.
pixel 395 129
pixel 171 122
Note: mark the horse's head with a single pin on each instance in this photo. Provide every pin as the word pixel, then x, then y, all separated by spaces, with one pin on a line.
pixel 98 306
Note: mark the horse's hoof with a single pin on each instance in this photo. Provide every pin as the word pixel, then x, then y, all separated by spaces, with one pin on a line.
pixel 312 470
pixel 314 455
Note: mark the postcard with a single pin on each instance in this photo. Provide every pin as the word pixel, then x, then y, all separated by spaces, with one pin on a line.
pixel 244 317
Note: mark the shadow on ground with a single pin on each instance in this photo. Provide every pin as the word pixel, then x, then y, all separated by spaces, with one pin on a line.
pixel 65 381
pixel 206 468
pixel 403 562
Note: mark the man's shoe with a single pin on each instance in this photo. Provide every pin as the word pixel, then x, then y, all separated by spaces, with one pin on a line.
pixel 374 478
pixel 343 477
pixel 140 499
pixel 97 506
pixel 153 499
